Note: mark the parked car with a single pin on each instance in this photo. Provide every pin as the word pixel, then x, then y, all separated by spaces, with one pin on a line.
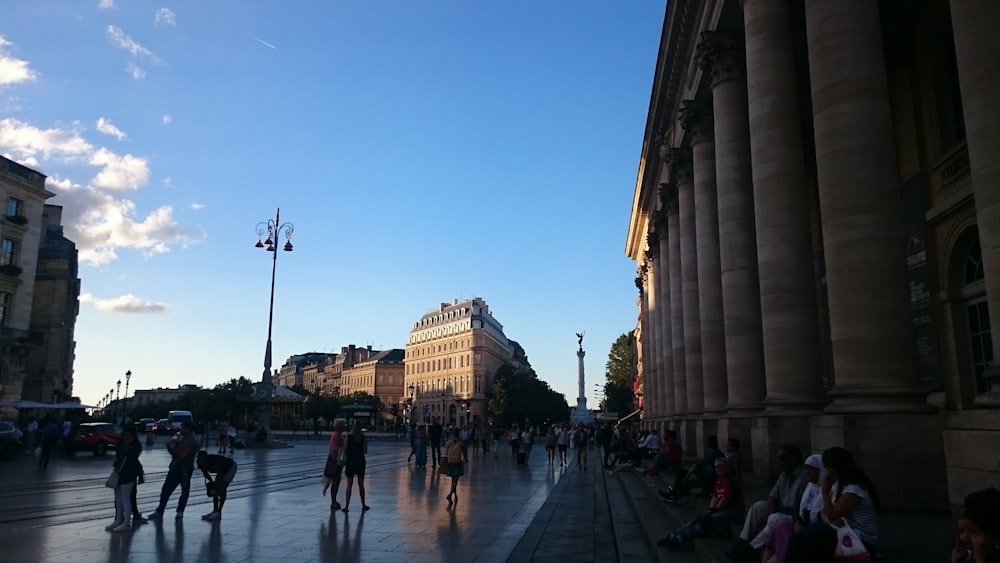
pixel 95 437
pixel 11 440
pixel 163 427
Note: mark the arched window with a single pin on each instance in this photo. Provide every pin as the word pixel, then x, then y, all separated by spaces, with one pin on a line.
pixel 976 309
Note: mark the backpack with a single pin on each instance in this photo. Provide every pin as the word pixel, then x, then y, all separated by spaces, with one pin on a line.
pixel 454 453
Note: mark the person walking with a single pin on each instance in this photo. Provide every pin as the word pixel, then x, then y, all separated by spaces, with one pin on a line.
pixel 357 449
pixel 231 435
pixel 337 469
pixel 562 443
pixel 550 444
pixel 223 436
pixel 50 439
pixel 31 436
pixel 434 435
pixel 580 440
pixel 225 470
pixel 420 445
pixel 455 468
pixel 182 451
pixel 127 468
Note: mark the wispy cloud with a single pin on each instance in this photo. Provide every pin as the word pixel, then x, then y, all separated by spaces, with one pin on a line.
pixel 106 4
pixel 13 70
pixel 165 16
pixel 100 221
pixel 135 71
pixel 121 40
pixel 105 126
pixel 168 119
pixel 124 304
pixel 262 42
pixel 197 206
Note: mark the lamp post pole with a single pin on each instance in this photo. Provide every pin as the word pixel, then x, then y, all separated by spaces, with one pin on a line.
pixel 118 405
pixel 128 376
pixel 409 410
pixel 273 229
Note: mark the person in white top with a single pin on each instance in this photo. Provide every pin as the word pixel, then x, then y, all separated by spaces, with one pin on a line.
pixel 562 442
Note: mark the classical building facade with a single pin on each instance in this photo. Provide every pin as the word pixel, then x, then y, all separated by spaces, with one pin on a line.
pixel 380 374
pixel 452 355
pixel 56 304
pixel 22 228
pixel 816 222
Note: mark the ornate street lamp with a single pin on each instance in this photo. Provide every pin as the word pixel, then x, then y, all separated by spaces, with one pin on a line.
pixel 273 229
pixel 117 404
pixel 128 376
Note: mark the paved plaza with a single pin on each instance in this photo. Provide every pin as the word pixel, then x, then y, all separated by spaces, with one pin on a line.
pixel 276 512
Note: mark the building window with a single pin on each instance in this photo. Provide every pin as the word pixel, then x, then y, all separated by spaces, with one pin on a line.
pixel 4 307
pixel 9 251
pixel 15 207
pixel 479 359
pixel 977 313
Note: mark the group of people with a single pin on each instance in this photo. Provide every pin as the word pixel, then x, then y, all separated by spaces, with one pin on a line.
pixel 218 471
pixel 347 455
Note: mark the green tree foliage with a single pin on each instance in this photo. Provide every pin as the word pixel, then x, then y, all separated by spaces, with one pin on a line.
pixel 520 397
pixel 619 375
pixel 362 398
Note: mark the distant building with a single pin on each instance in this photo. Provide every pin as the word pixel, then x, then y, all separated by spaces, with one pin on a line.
pixel 380 375
pixel 291 372
pixel 452 355
pixel 159 395
pixel 22 228
pixel 56 304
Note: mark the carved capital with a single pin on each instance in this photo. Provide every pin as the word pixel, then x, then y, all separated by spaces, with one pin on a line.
pixel 653 242
pixel 696 119
pixel 721 55
pixel 638 284
pixel 668 198
pixel 681 165
pixel 662 229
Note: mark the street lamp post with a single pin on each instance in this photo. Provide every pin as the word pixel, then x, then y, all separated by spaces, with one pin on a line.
pixel 409 402
pixel 128 376
pixel 443 406
pixel 117 403
pixel 274 229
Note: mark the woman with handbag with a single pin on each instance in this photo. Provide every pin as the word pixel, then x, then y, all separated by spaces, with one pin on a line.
pixel 452 463
pixel 356 448
pixel 335 459
pixel 123 477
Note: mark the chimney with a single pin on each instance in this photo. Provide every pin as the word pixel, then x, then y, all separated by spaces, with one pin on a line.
pixel 349 360
pixel 454 301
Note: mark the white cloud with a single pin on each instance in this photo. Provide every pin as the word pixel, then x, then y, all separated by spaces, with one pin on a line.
pixel 106 4
pixel 166 16
pixel 13 70
pixel 120 172
pixel 124 304
pixel 24 141
pixel 168 119
pixel 197 206
pixel 135 71
pixel 105 126
pixel 121 40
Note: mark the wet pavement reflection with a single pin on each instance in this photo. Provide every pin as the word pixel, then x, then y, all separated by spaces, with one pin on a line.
pixel 275 511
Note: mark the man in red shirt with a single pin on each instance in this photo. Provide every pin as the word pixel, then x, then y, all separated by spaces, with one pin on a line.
pixel 726 507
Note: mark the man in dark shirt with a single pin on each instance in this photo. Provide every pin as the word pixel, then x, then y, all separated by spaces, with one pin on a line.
pixel 182 451
pixel 701 474
pixel 434 434
pixel 224 469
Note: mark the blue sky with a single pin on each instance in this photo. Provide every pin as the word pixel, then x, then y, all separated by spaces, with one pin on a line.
pixel 425 151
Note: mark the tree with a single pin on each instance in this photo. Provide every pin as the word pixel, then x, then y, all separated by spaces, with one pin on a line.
pixel 620 374
pixel 520 397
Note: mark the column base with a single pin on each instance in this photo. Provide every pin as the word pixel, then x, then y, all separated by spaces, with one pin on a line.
pixel 769 433
pixel 705 427
pixel 879 400
pixel 740 429
pixel 913 477
pixel 968 435
pixel 688 436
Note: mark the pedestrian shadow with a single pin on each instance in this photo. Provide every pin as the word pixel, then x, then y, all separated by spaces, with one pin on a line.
pixel 336 542
pixel 211 548
pixel 174 552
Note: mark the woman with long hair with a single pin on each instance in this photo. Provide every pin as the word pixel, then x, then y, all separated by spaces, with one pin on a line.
pixel 334 470
pixel 455 468
pixel 357 449
pixel 848 498
pixel 420 445
pixel 127 468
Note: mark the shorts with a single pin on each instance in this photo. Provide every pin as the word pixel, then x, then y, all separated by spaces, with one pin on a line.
pixel 228 476
pixel 353 468
pixel 562 447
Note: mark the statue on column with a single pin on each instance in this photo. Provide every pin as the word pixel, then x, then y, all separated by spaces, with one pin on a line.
pixel 579 339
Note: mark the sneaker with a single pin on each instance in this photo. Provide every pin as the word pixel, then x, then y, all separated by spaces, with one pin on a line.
pixel 206 516
pixel 213 516
pixel 123 527
pixel 155 515
pixel 111 526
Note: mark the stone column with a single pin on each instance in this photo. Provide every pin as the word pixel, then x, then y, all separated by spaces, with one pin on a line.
pixel 784 248
pixel 696 118
pixel 681 170
pixel 722 57
pixel 666 390
pixel 652 408
pixel 669 195
pixel 859 193
pixel 643 338
pixel 974 24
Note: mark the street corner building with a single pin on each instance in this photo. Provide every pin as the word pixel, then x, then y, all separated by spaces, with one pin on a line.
pixel 816 225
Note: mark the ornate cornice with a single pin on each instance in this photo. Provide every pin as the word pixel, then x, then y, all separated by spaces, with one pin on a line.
pixel 721 55
pixel 681 165
pixel 668 198
pixel 696 118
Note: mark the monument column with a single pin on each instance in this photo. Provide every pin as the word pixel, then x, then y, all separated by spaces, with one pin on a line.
pixel 666 387
pixel 669 202
pixel 790 325
pixel 974 25
pixel 696 119
pixel 861 210
pixel 651 410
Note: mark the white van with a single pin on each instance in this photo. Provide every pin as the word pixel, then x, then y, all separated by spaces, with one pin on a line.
pixel 175 418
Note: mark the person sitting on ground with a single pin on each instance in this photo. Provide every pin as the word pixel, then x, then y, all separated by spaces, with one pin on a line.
pixel 725 507
pixel 783 499
pixel 735 457
pixel 650 445
pixel 700 474
pixel 780 527
pixel 224 469
pixel 978 536
pixel 849 496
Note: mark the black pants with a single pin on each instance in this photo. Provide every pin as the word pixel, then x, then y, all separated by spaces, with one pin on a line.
pixel 435 453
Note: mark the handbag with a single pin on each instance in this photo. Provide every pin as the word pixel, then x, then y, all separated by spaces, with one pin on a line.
pixel 112 481
pixel 849 545
pixel 330 469
pixel 341 449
